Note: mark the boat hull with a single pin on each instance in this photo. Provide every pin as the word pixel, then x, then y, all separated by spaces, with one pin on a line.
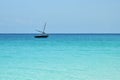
pixel 41 36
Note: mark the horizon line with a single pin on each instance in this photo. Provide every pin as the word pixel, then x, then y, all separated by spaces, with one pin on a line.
pixel 64 33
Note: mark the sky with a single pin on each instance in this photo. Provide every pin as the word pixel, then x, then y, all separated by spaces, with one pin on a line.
pixel 62 16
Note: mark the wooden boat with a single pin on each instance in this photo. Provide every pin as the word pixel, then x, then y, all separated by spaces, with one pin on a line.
pixel 43 34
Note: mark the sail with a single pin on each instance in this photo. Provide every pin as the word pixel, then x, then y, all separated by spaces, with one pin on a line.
pixel 44 27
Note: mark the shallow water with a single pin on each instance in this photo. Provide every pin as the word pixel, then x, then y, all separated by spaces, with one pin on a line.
pixel 59 57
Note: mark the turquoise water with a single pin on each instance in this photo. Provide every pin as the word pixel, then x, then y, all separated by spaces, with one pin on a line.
pixel 59 57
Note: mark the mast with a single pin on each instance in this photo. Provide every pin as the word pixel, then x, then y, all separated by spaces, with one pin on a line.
pixel 44 27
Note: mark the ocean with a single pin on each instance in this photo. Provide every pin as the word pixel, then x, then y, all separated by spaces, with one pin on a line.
pixel 60 57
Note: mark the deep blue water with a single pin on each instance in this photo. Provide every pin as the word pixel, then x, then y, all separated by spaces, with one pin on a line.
pixel 60 57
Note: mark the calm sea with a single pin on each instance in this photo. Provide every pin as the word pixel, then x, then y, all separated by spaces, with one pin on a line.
pixel 60 57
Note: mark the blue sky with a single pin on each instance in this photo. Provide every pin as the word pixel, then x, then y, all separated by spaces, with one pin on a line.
pixel 62 16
